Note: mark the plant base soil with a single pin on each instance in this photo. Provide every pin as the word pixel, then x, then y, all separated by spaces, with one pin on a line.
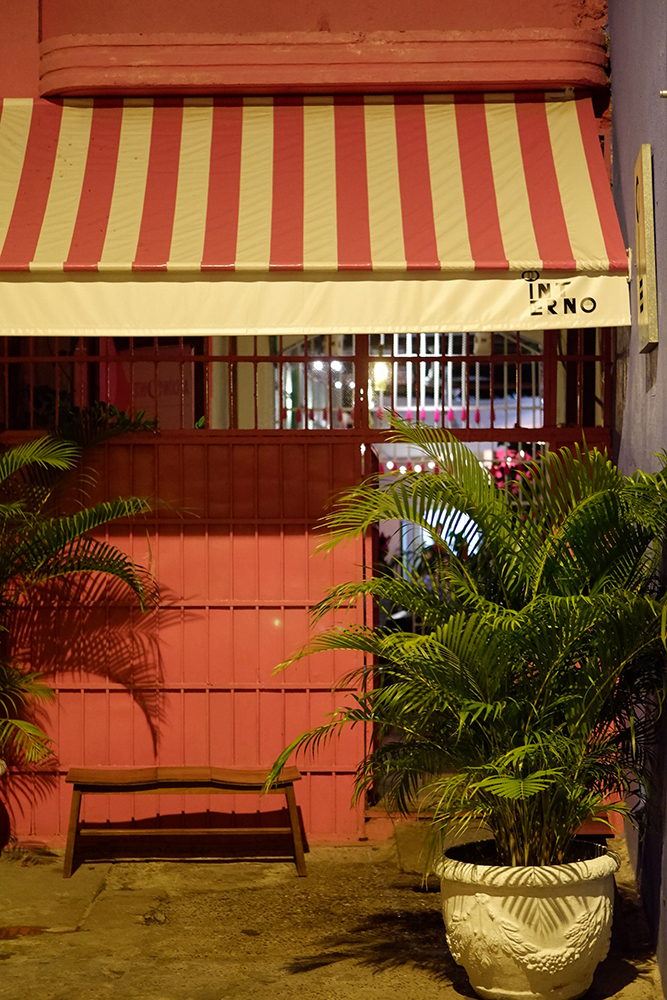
pixel 356 928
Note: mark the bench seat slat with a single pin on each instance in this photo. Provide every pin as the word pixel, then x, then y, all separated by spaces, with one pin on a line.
pixel 178 776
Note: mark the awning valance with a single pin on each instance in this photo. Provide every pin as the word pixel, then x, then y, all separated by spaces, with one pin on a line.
pixel 444 183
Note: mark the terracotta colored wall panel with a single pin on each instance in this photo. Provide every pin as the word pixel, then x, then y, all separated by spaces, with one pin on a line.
pixel 221 733
pixel 120 724
pixel 194 647
pixel 220 663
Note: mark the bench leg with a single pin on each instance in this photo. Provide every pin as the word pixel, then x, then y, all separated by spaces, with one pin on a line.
pixel 299 858
pixel 72 832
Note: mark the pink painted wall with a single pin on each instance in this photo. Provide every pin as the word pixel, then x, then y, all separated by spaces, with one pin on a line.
pixel 19 48
pixel 238 579
pixel 21 22
pixel 61 17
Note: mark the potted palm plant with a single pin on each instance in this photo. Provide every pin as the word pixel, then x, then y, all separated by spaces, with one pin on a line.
pixel 524 698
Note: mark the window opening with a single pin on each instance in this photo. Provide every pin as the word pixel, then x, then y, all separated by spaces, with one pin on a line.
pixel 479 385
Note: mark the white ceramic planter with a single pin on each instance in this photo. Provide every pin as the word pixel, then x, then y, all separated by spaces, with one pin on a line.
pixel 529 933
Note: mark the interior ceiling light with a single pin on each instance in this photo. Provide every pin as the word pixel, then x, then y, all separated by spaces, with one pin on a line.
pixel 380 374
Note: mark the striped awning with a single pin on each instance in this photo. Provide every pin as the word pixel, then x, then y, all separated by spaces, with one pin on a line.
pixel 461 184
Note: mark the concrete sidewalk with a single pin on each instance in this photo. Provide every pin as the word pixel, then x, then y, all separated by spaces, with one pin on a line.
pixel 356 927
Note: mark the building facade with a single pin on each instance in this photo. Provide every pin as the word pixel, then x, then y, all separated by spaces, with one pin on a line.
pixel 268 227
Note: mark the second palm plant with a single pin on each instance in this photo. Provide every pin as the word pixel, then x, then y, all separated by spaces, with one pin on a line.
pixel 526 694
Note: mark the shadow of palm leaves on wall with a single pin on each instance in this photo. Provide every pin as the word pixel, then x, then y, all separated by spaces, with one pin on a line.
pixel 82 627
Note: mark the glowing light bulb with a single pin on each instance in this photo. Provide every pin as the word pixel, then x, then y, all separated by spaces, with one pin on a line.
pixel 338 385
pixel 402 470
pixel 418 468
pixel 318 366
pixel 380 374
pixel 390 465
pixel 431 465
pixel 336 366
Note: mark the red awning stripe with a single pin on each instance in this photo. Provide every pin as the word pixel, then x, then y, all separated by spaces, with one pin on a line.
pixel 486 242
pixel 31 198
pixel 153 249
pixel 287 214
pixel 598 174
pixel 421 249
pixel 550 228
pixel 306 183
pixel 223 188
pixel 352 222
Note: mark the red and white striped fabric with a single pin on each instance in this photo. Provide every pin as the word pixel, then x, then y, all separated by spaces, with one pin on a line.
pixel 460 184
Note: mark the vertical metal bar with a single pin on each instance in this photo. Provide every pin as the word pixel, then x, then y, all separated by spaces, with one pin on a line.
pixel 465 388
pixel 550 378
pixel 606 336
pixel 361 377
pixel 255 379
pixel 492 394
pixel 6 378
pixel 580 389
pixel 31 382
pixel 181 380
pixel 56 381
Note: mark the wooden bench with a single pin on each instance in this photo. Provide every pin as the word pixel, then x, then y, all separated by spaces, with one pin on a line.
pixel 179 780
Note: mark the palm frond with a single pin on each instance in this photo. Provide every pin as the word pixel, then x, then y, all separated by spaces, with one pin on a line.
pixel 43 452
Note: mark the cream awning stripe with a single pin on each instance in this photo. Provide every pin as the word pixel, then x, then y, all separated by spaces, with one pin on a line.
pixel 449 209
pixel 384 193
pixel 253 248
pixel 509 179
pixel 574 183
pixel 320 251
pixel 65 192
pixel 315 184
pixel 187 239
pixel 15 118
pixel 120 245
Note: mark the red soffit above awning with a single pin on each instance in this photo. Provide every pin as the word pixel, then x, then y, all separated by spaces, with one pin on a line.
pixel 323 62
pixel 436 183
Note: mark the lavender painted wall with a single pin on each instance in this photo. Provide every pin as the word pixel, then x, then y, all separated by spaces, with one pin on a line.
pixel 638 33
